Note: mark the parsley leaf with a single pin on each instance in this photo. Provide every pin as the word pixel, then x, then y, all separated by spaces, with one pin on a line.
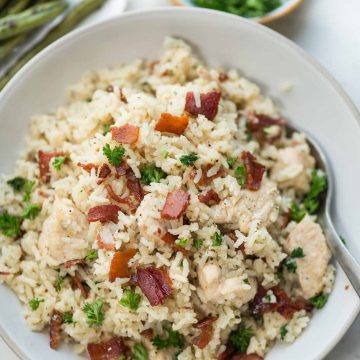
pixel 31 211
pixel 140 352
pixel 92 255
pixel 198 243
pixel 59 283
pixel 164 154
pixel 150 173
pixel 173 338
pixel 182 241
pixel 94 312
pixel 59 161
pixel 283 332
pixel 130 300
pixel 114 155
pixel 189 159
pixel 343 240
pixel 68 317
pixel 319 301
pixel 34 303
pixel 231 161
pixel 240 339
pixel 28 188
pixel 17 183
pixel 216 239
pixel 297 212
pixel 246 281
pixel 106 128
pixel 297 253
pixel 10 224
pixel 240 174
pixel 290 262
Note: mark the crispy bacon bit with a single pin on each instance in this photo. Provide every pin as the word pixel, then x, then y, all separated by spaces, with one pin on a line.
pixel 104 213
pixel 230 354
pixel 172 124
pixel 110 89
pixel 209 104
pixel 126 203
pixel 233 237
pixel 133 184
pixel 254 171
pixel 108 350
pixel 104 171
pixel 209 198
pixel 84 289
pixel 43 194
pixel 126 134
pixel 44 159
pixel 148 334
pixel 206 327
pixel 227 354
pixel 5 273
pixel 104 245
pixel 207 180
pixel 223 77
pixel 119 264
pixel 122 96
pixel 169 238
pixel 55 328
pixel 70 263
pixel 257 122
pixel 88 167
pixel 154 283
pixel 176 204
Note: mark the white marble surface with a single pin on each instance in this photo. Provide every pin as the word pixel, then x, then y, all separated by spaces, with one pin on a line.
pixel 330 31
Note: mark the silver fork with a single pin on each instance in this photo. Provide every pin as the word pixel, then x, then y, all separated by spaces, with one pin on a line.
pixel 350 266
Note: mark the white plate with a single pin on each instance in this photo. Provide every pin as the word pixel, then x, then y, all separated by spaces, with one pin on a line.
pixel 316 103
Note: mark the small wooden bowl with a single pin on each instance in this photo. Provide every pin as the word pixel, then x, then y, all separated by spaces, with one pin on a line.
pixel 288 7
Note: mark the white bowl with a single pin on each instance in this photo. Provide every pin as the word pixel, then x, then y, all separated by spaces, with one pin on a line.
pixel 316 103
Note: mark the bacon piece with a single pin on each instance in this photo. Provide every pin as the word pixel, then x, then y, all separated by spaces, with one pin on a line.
pixel 82 287
pixel 148 334
pixel 230 354
pixel 122 96
pixel 176 204
pixel 121 169
pixel 209 198
pixel 119 264
pixel 104 213
pixel 108 350
pixel 5 273
pixel 172 124
pixel 169 238
pixel 134 186
pixel 254 171
pixel 223 77
pixel 206 327
pixel 104 245
pixel 44 159
pixel 68 264
pixel 257 122
pixel 126 134
pixel 207 180
pixel 209 104
pixel 56 321
pixel 110 88
pixel 88 167
pixel 227 354
pixel 104 171
pixel 154 283
pixel 127 201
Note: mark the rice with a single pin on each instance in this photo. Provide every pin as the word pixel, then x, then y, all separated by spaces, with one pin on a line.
pixel 242 242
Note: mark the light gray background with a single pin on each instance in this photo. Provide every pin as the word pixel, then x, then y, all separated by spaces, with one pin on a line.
pixel 330 31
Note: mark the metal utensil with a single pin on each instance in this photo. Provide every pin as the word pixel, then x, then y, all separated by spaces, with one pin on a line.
pixel 350 266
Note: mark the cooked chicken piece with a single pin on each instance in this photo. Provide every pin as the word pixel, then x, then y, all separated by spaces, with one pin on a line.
pixel 240 211
pixel 312 267
pixel 64 234
pixel 292 168
pixel 214 285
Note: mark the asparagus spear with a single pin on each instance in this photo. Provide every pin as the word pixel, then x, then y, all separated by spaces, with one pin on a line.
pixel 14 7
pixel 9 45
pixel 35 16
pixel 75 16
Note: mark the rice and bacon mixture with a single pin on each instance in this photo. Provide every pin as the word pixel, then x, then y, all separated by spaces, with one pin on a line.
pixel 163 213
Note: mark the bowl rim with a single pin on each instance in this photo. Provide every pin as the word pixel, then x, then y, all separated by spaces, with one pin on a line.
pixel 77 33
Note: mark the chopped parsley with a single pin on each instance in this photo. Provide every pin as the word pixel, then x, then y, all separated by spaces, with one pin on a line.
pixel 290 262
pixel 164 154
pixel 10 224
pixel 31 211
pixel 28 188
pixel 240 174
pixel 231 161
pixel 173 339
pixel 217 239
pixel 182 241
pixel 240 339
pixel 130 300
pixel 59 161
pixel 343 240
pixel 297 212
pixel 189 159
pixel 114 155
pixel 106 128
pixel 297 253
pixel 59 283
pixel 198 243
pixel 92 255
pixel 246 281
pixel 17 183
pixel 139 352
pixel 151 173
pixel 319 301
pixel 283 332
pixel 34 303
pixel 68 317
pixel 94 312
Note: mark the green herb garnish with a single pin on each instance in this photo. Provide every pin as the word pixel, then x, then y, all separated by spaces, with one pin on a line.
pixel 59 282
pixel 343 240
pixel 240 339
pixel 10 224
pixel 150 173
pixel 28 188
pixel 182 241
pixel 114 155
pixel 130 300
pixel 283 332
pixel 17 183
pixel 94 312
pixel 173 339
pixel 34 303
pixel 240 174
pixel 231 161
pixel 68 317
pixel 31 211
pixel 217 239
pixel 198 243
pixel 164 154
pixel 319 301
pixel 297 212
pixel 290 262
pixel 92 255
pixel 189 159
pixel 139 352
pixel 106 128
pixel 59 161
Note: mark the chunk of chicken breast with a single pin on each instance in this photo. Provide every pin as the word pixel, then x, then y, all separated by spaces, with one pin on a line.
pixel 292 168
pixel 312 267
pixel 240 211
pixel 214 285
pixel 64 234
